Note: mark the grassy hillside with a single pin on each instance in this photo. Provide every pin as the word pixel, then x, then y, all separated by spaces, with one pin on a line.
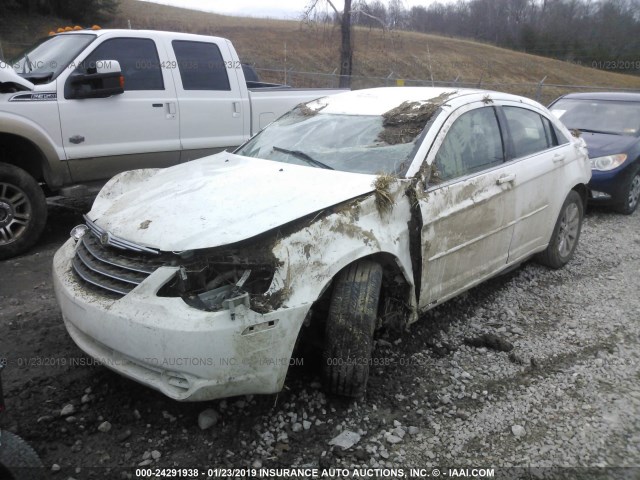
pixel 404 55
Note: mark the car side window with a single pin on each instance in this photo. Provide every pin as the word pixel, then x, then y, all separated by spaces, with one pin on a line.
pixel 138 59
pixel 472 144
pixel 528 132
pixel 201 66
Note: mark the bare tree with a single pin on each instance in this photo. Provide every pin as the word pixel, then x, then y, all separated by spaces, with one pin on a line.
pixel 346 47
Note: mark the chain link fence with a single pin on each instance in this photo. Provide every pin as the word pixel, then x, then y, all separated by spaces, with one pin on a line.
pixel 540 91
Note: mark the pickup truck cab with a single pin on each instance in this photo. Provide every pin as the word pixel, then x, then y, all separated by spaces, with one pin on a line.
pixel 82 106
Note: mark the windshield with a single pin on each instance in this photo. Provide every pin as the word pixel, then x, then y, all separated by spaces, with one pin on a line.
pixel 599 116
pixel 350 143
pixel 46 59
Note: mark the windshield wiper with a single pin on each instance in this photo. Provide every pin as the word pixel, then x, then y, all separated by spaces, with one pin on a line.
pixel 27 62
pixel 303 156
pixel 598 131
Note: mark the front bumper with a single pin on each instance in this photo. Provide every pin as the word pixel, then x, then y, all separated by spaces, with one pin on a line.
pixel 183 352
pixel 607 187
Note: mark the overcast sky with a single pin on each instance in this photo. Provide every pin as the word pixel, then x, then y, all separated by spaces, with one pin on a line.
pixel 260 8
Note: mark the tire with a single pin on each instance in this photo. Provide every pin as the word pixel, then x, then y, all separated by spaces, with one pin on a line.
pixel 18 461
pixel 566 233
pixel 630 197
pixel 350 326
pixel 23 211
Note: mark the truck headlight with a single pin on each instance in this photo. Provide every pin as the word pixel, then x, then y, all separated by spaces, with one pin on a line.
pixel 608 162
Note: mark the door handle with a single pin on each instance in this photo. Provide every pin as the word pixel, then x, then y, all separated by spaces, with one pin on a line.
pixel 509 178
pixel 236 109
pixel 558 158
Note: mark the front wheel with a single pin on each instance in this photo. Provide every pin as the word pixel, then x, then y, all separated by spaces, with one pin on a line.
pixel 18 461
pixel 23 211
pixel 630 194
pixel 566 233
pixel 350 326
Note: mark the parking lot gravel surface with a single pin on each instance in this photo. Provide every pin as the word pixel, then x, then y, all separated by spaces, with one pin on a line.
pixel 535 374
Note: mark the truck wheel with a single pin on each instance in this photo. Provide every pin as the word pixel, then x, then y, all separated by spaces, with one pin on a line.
pixel 18 461
pixel 630 194
pixel 23 211
pixel 349 330
pixel 566 233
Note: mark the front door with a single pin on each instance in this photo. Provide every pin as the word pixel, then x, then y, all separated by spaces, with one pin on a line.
pixel 136 129
pixel 466 213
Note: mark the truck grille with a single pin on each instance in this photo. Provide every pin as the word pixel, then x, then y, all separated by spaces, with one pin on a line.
pixel 111 269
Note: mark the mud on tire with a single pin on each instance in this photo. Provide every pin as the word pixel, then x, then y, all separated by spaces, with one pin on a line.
pixel 18 461
pixel 23 211
pixel 349 330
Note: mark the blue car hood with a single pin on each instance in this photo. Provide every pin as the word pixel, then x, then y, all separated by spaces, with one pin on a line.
pixel 601 144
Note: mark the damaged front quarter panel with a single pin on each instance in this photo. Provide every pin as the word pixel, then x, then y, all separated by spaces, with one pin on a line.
pixel 314 251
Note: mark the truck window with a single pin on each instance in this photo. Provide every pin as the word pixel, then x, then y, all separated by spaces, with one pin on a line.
pixel 201 66
pixel 138 59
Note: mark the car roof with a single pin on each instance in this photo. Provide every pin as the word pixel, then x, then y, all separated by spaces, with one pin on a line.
pixel 612 96
pixel 376 101
pixel 119 32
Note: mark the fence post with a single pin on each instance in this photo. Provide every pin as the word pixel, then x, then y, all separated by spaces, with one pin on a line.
pixel 539 90
pixel 389 78
pixel 455 82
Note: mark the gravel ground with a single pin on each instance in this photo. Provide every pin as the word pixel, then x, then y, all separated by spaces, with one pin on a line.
pixel 566 395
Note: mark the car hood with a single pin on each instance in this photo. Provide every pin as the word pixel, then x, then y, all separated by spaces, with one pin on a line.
pixel 601 144
pixel 9 75
pixel 218 200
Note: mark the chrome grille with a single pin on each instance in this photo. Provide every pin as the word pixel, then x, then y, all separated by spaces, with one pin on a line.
pixel 111 269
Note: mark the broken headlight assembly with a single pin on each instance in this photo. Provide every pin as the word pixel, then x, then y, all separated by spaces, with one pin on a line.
pixel 219 280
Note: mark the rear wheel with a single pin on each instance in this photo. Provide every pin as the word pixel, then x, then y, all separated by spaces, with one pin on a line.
pixel 630 194
pixel 566 233
pixel 23 211
pixel 350 326
pixel 18 461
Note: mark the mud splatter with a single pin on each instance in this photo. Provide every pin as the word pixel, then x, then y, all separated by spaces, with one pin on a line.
pixel 404 123
pixel 144 225
pixel 384 200
pixel 307 111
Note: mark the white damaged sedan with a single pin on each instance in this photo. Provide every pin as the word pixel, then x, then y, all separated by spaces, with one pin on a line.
pixel 347 213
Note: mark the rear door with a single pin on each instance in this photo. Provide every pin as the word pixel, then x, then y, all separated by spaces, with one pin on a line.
pixel 540 152
pixel 214 108
pixel 467 218
pixel 136 129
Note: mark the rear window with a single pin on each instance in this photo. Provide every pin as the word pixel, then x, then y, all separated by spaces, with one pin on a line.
pixel 201 66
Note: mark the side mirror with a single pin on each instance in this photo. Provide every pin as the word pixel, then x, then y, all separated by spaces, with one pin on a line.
pixel 102 81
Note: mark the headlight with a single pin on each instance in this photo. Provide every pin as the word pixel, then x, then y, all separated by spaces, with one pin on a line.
pixel 209 280
pixel 609 162
pixel 78 232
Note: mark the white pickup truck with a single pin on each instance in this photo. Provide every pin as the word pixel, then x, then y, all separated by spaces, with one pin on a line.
pixel 79 107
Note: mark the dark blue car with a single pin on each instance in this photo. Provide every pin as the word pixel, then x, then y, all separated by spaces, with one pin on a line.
pixel 610 124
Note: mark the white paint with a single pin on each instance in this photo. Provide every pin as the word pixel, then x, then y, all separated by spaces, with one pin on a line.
pixel 224 199
pixel 220 200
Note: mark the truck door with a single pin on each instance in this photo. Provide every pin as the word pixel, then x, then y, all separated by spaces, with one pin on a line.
pixel 214 107
pixel 136 129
